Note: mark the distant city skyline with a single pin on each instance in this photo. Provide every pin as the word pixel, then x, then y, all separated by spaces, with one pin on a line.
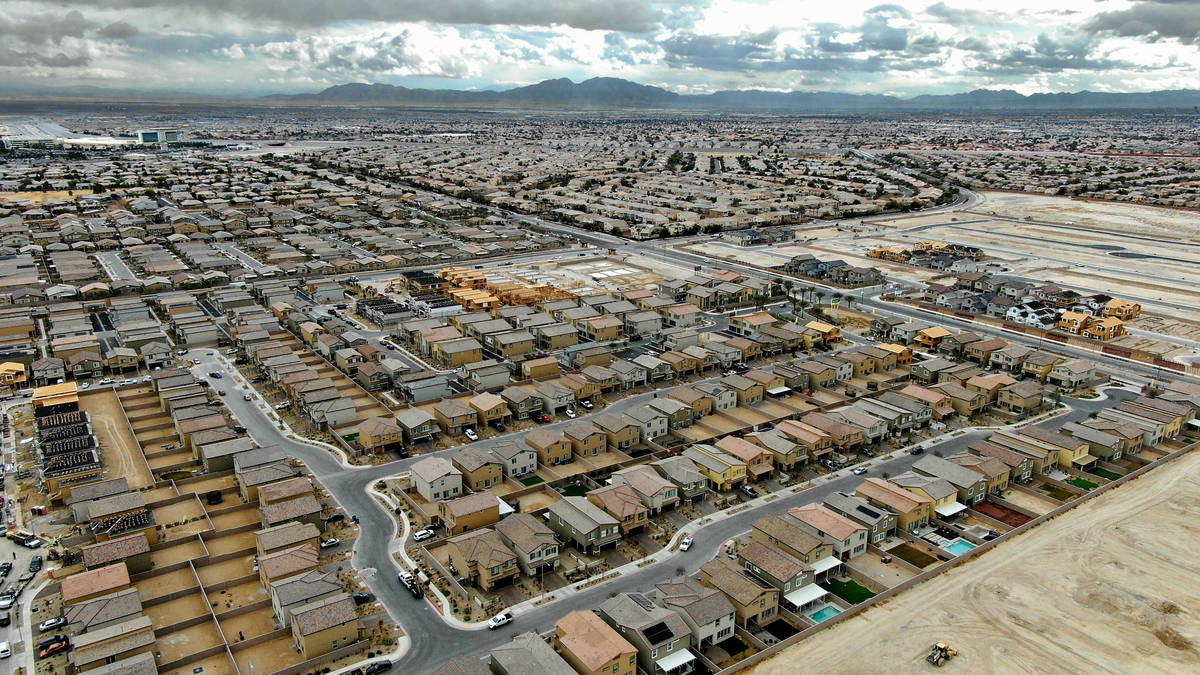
pixel 255 47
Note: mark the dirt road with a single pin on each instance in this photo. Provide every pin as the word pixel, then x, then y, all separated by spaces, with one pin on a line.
pixel 1113 587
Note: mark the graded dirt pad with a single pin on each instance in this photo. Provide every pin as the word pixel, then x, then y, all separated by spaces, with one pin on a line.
pixel 1147 220
pixel 1110 586
pixel 121 454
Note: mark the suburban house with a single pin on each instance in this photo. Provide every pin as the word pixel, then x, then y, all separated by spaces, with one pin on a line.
pixel 533 542
pixel 709 614
pixel 483 558
pixel 579 521
pixel 436 479
pixel 592 647
pixel 849 539
pixel 661 636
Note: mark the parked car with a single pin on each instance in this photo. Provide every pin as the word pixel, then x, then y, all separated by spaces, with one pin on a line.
pixel 239 428
pixel 587 405
pixel 858 471
pixel 283 406
pixel 500 619
pixel 221 392
pixel 498 426
pixel 5 650
pixel 361 598
pixel 229 352
pixel 5 618
pixel 5 569
pixel 127 382
pixel 378 667
pixel 51 624
pixel 749 490
pixel 107 380
pixel 569 412
pixel 422 535
pixel 52 640
pixel 246 397
pixel 470 434
pixel 331 543
pixel 867 452
pixel 335 517
pixel 54 649
pixel 917 450
pixel 84 385
pixel 7 600
pixel 543 418
pixel 685 544
pixel 35 565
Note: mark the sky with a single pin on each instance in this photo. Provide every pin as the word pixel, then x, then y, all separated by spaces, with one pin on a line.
pixel 253 47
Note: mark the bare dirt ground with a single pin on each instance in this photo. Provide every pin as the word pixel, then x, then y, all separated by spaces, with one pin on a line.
pixel 121 453
pixel 1149 220
pixel 1108 587
pixel 40 197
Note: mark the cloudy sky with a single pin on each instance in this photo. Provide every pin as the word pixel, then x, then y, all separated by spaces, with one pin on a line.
pixel 905 47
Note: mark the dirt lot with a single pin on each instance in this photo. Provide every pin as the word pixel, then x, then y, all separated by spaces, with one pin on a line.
pixel 184 550
pixel 180 643
pixel 1124 590
pixel 219 663
pixel 251 624
pixel 1132 218
pixel 179 609
pixel 121 453
pixel 228 544
pixel 268 656
pixel 165 584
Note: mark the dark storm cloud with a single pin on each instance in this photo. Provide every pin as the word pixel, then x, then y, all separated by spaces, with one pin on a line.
pixel 118 30
pixel 963 17
pixel 44 28
pixel 1154 20
pixel 1049 54
pixel 14 58
pixel 624 15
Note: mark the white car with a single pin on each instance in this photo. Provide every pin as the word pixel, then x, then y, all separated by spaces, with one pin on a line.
pixel 84 385
pixel 685 544
pixel 500 619
pixel 126 383
pixel 107 380
pixel 471 434
pixel 569 412
pixel 422 535
pixel 859 471
pixel 283 406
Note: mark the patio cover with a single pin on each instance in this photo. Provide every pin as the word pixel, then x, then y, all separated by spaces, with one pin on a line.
pixel 804 595
pixel 673 661
pixel 1084 460
pixel 826 564
pixel 950 509
pixel 778 391
pixel 760 469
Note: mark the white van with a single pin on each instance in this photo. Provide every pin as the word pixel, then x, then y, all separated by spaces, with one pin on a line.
pixel 5 650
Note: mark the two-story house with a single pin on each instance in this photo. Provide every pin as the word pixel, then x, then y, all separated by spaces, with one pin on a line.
pixel 532 540
pixel 580 522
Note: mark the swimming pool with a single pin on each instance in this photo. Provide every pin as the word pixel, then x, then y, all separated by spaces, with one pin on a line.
pixel 824 613
pixel 958 547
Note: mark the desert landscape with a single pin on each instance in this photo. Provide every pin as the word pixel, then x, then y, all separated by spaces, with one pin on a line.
pixel 1035 604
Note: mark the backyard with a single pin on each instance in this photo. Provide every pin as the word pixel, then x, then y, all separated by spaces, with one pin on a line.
pixel 1105 473
pixel 849 590
pixel 913 555
pixel 1058 493
pixel 1083 484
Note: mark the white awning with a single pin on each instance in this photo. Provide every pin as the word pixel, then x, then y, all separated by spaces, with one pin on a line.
pixel 673 661
pixel 778 391
pixel 950 509
pixel 804 595
pixel 1194 423
pixel 826 564
pixel 1084 460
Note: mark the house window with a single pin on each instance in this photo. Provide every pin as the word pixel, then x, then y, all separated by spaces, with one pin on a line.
pixel 654 653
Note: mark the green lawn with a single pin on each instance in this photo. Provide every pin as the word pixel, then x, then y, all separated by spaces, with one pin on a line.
pixel 531 481
pixel 910 554
pixel 1058 493
pixel 851 591
pixel 1084 484
pixel 575 491
pixel 1105 473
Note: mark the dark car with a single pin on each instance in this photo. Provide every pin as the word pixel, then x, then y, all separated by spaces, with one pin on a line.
pixel 378 667
pixel 868 453
pixel 53 649
pixel 5 569
pixel 5 618
pixel 498 425
pixel 917 450
pixel 52 640
pixel 361 598
pixel 239 428
pixel 335 517
pixel 35 565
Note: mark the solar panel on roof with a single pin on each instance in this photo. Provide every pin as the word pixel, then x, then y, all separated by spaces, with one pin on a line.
pixel 867 511
pixel 657 633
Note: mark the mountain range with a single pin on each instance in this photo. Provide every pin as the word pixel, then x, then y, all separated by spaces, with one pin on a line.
pixel 608 92
pixel 613 94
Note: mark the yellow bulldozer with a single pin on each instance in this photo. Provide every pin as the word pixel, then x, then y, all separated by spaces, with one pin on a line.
pixel 940 653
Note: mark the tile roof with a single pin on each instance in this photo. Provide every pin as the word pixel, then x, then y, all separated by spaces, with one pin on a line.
pixel 590 640
pixel 289 509
pixel 324 614
pixel 526 532
pixel 826 520
pixel 83 584
pixel 483 547
pixel 288 561
pixel 106 552
pixel 104 609
pixel 285 489
pixel 286 534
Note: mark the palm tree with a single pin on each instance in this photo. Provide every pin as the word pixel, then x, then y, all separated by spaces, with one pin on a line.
pixel 820 295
